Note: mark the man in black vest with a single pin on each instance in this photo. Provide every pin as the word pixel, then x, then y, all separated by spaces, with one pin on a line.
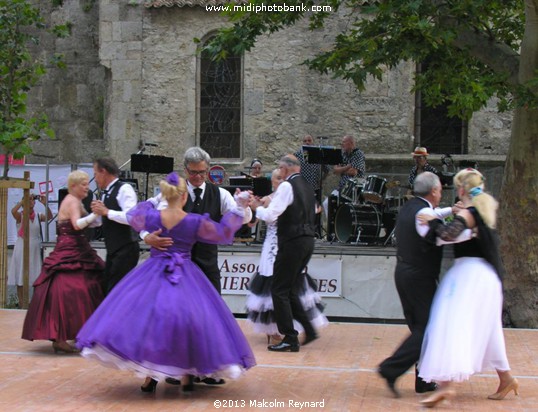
pixel 204 197
pixel 416 276
pixel 121 241
pixel 293 206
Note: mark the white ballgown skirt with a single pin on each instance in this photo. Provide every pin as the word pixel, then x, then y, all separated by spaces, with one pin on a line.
pixel 464 335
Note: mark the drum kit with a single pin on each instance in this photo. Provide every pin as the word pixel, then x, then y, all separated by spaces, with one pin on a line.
pixel 364 209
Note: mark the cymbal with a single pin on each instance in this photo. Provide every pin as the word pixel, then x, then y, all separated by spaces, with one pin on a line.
pixel 392 184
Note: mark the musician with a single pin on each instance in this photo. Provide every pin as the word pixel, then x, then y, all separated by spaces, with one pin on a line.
pixel 255 169
pixel 420 156
pixel 313 173
pixel 353 162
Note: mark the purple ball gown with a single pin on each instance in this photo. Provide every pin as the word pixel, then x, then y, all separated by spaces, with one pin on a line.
pixel 165 319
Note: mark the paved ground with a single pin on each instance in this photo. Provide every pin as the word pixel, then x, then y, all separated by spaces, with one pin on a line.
pixel 337 370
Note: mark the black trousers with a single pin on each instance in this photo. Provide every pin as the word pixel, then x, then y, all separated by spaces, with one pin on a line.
pixel 291 259
pixel 416 290
pixel 119 263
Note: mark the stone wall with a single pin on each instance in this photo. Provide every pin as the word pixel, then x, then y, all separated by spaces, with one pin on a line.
pixel 132 78
pixel 73 98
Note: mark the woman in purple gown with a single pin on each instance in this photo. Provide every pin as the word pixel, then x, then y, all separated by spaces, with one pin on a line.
pixel 165 319
pixel 68 289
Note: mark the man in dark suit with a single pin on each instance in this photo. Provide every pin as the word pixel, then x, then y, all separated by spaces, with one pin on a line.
pixel 416 277
pixel 293 206
pixel 121 241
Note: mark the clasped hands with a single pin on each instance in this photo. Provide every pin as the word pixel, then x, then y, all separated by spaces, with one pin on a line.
pixel 99 208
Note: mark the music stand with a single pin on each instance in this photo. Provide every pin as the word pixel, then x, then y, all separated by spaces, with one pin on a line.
pixel 322 155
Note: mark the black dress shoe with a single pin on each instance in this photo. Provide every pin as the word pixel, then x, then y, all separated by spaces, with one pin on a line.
pixel 284 347
pixel 150 386
pixel 309 338
pixel 391 384
pixel 173 381
pixel 422 386
pixel 210 381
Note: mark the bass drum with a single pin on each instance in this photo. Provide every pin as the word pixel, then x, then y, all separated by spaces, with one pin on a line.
pixel 355 223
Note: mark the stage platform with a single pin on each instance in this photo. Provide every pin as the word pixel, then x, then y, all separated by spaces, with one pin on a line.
pixel 338 369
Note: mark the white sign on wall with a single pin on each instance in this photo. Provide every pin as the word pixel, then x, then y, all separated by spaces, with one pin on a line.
pixel 237 269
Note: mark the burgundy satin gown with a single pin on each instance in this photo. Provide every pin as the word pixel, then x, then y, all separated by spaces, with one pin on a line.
pixel 67 291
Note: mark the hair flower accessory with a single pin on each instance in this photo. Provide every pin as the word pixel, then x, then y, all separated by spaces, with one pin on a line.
pixel 172 179
pixel 475 191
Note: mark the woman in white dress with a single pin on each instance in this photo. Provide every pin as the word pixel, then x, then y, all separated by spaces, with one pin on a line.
pixel 34 236
pixel 464 335
pixel 259 303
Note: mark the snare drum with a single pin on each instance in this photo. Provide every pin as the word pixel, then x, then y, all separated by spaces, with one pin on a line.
pixel 352 190
pixel 355 223
pixel 374 189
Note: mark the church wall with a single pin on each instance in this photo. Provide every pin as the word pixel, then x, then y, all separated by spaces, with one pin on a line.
pixel 132 75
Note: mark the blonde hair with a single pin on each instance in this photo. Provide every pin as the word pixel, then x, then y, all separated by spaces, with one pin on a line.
pixel 472 182
pixel 170 191
pixel 76 177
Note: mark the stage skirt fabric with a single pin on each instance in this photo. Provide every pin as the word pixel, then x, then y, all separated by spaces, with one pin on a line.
pixel 67 291
pixel 464 335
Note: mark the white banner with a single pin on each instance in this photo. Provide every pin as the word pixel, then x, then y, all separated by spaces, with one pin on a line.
pixel 237 269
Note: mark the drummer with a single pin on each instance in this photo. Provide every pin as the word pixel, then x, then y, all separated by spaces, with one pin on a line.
pixel 353 162
pixel 353 166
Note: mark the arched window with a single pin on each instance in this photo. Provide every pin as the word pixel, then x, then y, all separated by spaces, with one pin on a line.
pixel 220 106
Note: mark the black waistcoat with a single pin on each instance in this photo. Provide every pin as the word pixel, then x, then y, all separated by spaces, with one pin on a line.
pixel 203 254
pixel 299 218
pixel 116 234
pixel 412 248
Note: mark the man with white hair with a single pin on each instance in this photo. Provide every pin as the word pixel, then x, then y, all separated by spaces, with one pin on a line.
pixel 416 276
pixel 293 208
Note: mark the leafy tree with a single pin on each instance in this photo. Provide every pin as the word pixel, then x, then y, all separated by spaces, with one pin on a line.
pixel 20 23
pixel 476 49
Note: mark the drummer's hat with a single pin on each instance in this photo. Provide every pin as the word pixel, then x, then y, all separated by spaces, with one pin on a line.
pixel 420 151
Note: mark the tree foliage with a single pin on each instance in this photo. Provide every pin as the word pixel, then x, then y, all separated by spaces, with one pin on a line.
pixel 475 50
pixel 20 24
pixel 471 46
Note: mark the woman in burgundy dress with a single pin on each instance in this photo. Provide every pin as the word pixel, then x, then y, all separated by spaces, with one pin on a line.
pixel 68 290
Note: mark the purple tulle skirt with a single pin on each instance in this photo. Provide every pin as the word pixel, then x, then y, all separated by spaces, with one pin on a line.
pixel 165 319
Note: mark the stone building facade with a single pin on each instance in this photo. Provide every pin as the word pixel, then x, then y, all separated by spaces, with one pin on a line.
pixel 133 77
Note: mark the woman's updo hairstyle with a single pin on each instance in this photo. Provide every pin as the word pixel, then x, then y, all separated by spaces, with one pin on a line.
pixel 472 182
pixel 173 186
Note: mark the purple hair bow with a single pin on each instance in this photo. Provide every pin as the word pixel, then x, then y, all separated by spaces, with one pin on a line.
pixel 172 179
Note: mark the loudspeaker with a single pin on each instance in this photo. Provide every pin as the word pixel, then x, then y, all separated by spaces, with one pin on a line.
pixel 152 164
pixel 331 215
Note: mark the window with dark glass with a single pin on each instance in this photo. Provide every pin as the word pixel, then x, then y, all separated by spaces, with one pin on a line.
pixel 436 130
pixel 220 106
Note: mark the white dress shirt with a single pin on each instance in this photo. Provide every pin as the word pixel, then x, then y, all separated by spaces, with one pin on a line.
pixel 126 200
